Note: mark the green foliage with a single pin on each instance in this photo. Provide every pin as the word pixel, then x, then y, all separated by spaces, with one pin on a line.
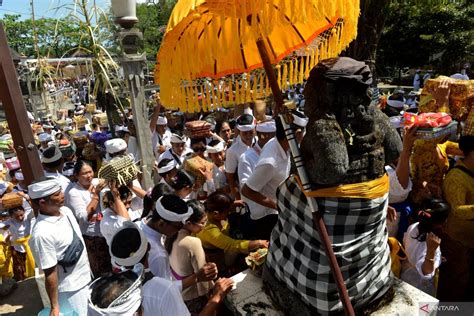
pixel 440 35
pixel 55 37
pixel 152 21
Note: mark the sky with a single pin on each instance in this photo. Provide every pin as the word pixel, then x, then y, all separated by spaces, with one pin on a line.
pixel 43 8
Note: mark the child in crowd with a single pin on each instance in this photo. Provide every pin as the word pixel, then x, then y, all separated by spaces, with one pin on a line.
pixel 421 244
pixel 19 234
pixel 218 245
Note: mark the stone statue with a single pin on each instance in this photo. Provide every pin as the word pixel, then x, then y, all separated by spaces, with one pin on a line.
pixel 347 144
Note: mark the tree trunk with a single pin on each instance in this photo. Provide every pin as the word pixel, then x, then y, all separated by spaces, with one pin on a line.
pixel 370 25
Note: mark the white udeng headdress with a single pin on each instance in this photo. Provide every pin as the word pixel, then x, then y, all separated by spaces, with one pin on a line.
pixel 171 216
pixel 127 304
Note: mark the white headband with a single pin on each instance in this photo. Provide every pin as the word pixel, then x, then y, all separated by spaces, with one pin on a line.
pixel 168 167
pixel 246 128
pixel 171 216
pixel 216 149
pixel 300 121
pixel 127 304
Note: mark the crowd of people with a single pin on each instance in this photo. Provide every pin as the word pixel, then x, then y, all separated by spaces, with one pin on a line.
pixel 107 248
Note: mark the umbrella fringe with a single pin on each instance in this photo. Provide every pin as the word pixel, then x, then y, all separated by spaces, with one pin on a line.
pixel 214 93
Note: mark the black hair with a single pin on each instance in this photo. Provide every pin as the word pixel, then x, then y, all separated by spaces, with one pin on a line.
pixel 198 214
pixel 125 242
pixel 13 210
pixel 124 193
pixel 78 166
pixel 198 140
pixel 434 212
pixel 198 211
pixel 110 287
pixel 182 180
pixel 214 142
pixel 54 164
pixel 218 202
pixel 163 162
pixel 12 172
pixel 466 144
pixel 280 131
pixel 171 203
pixel 149 200
pixel 219 126
pixel 245 119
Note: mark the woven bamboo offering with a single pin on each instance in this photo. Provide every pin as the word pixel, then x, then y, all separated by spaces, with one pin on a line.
pixel 12 200
pixel 120 169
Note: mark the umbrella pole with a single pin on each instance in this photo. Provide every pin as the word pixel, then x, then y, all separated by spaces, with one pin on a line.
pixel 318 221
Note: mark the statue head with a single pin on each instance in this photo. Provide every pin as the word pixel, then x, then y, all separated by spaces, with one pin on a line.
pixel 344 120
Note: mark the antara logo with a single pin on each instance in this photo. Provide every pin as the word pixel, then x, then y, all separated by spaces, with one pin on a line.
pixel 425 308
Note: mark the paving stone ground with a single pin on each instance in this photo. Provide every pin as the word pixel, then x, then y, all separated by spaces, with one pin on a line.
pixel 24 301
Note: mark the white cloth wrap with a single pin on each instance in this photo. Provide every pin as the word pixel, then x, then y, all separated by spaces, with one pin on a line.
pixel 43 189
pixel 216 149
pixel 171 216
pixel 168 167
pixel 128 308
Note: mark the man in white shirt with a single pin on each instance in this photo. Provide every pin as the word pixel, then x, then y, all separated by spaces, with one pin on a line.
pixel 167 219
pixel 178 150
pixel 248 160
pixel 55 230
pixel 272 169
pixel 161 134
pixel 117 147
pixel 44 140
pixel 52 161
pixel 246 127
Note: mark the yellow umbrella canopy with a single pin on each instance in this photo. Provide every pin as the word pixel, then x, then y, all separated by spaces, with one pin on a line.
pixel 207 41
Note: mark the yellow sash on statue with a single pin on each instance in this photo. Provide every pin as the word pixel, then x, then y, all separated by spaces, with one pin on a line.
pixel 30 261
pixel 365 190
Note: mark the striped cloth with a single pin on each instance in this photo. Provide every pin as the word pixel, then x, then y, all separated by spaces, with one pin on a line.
pixel 358 231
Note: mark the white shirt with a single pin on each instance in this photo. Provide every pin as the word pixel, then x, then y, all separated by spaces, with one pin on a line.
pixel 396 192
pixel 132 148
pixel 157 140
pixel 247 163
pixel 171 155
pixel 77 198
pixel 162 298
pixel 64 182
pixel 416 253
pixel 219 180
pixel 272 169
pixel 110 223
pixel 50 238
pixel 233 154
pixel 158 259
pixel 21 229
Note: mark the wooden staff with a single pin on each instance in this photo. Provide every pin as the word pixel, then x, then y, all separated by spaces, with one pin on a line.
pixel 318 221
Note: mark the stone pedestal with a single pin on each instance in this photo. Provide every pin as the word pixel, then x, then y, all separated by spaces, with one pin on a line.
pixel 249 298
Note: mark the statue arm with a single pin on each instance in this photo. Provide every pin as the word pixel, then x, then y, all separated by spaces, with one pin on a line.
pixel 392 142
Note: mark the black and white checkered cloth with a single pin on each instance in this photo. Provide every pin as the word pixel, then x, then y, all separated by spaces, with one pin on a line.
pixel 359 236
